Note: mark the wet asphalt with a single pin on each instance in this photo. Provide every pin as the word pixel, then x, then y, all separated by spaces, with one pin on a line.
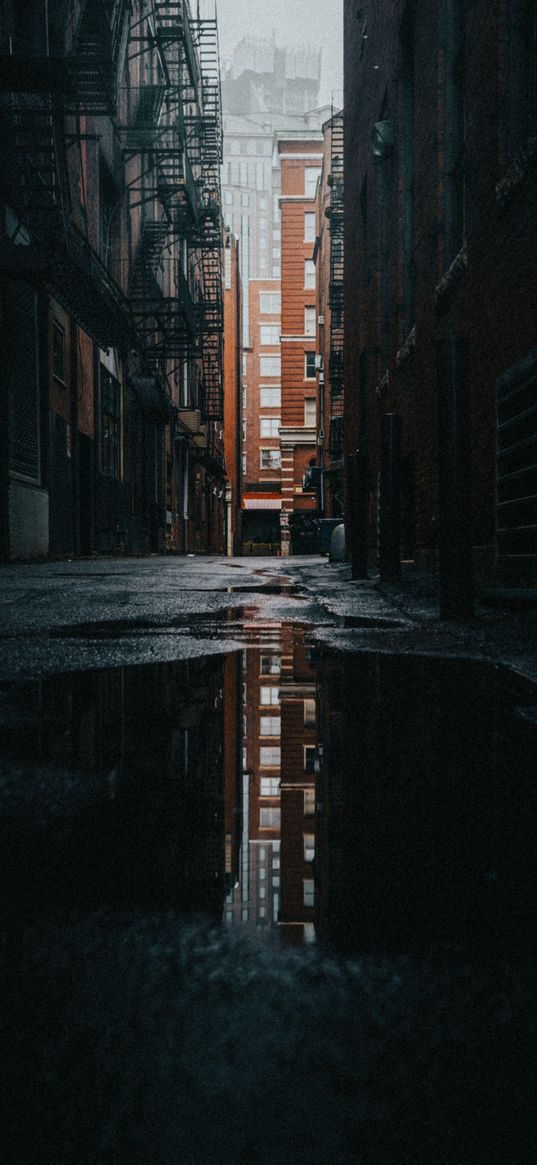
pixel 134 1034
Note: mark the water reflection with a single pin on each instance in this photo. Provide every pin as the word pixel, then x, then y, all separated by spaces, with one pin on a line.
pixel 274 884
pixel 375 802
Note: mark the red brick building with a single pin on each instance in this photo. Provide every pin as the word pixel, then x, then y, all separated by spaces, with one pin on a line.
pixel 328 476
pixel 232 391
pixel 261 418
pixel 301 160
pixel 440 288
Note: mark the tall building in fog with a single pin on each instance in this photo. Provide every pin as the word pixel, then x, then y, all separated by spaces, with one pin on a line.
pixel 268 93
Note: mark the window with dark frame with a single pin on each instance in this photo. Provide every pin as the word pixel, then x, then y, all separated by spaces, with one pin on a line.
pixel 522 89
pixel 110 416
pixel 58 351
pixel 309 365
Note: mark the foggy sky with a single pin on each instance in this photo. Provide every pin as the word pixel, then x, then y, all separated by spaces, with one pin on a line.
pixel 316 22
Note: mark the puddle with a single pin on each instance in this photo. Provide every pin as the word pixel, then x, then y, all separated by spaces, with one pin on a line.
pixel 372 623
pixel 371 802
pixel 169 831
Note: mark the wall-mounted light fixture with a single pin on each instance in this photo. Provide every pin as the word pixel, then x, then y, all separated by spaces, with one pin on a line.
pixel 382 138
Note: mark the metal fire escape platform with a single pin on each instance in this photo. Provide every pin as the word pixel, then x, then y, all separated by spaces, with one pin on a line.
pixel 336 219
pixel 36 95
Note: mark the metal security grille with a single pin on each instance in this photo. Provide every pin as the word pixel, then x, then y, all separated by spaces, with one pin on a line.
pixel 23 384
pixel 516 478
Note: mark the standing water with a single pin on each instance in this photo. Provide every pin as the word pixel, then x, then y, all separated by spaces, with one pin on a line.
pixel 275 905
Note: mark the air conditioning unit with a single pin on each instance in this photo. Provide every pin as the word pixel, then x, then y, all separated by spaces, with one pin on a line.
pixel 320 321
pixel 319 363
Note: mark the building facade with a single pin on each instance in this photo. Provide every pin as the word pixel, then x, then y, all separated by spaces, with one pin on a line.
pixel 261 419
pixel 440 278
pixel 111 255
pixel 301 161
pixel 232 391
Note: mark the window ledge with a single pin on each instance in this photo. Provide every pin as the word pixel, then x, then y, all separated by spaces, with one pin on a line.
pixel 516 173
pixel 452 276
pixel 407 348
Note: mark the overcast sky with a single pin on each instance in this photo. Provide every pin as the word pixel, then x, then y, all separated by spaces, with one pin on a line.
pixel 317 22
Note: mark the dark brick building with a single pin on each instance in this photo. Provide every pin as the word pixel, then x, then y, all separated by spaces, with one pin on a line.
pixel 441 273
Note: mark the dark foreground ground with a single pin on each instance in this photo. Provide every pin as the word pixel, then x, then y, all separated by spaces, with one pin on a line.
pixel 132 1034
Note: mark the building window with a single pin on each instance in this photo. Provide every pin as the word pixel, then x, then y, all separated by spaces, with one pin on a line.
pixel 309 275
pixel 259 176
pixel 110 424
pixel 409 95
pixel 58 351
pixel 309 802
pixel 270 697
pixel 270 303
pixel 245 199
pixel 270 459
pixel 309 892
pixel 310 321
pixel 269 427
pixel 310 412
pixel 455 180
pixel 228 198
pixel 309 366
pixel 271 726
pixel 269 334
pixel 270 818
pixel 309 847
pixel 270 365
pixel 309 228
pixel 243 173
pixel 522 90
pixel 270 398
pixel 311 175
pixel 276 272
pixel 270 756
pixel 271 665
pixel 310 709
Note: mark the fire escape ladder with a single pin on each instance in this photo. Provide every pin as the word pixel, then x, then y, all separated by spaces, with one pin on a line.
pixel 166 324
pixel 336 257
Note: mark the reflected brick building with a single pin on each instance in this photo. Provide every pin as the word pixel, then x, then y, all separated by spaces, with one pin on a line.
pixel 440 221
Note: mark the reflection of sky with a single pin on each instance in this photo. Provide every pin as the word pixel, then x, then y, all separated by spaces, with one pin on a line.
pixel 238 18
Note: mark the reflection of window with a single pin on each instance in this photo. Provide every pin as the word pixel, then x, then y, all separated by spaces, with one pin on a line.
pixel 309 892
pixel 270 786
pixel 270 756
pixel 309 274
pixel 271 726
pixel 309 847
pixel 269 426
pixel 58 351
pixel 270 365
pixel 270 302
pixel 309 802
pixel 309 228
pixel 270 697
pixel 270 398
pixel 309 365
pixel 310 181
pixel 269 334
pixel 271 665
pixel 270 818
pixel 110 424
pixel 309 759
pixel 270 459
pixel 309 713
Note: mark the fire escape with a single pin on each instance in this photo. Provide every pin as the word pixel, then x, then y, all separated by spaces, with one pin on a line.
pixel 176 135
pixel 38 90
pixel 336 287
